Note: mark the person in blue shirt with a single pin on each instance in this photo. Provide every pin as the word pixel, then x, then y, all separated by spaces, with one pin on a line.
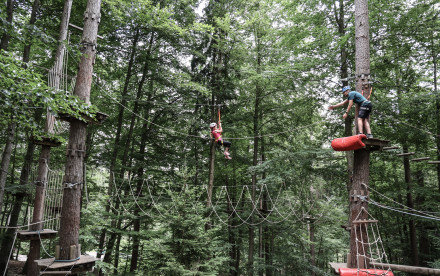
pixel 365 108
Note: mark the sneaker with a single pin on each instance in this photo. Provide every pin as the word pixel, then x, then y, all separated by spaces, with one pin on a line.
pixel 369 136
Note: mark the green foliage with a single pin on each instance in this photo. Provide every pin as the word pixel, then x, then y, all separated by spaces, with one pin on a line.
pixel 279 58
pixel 23 91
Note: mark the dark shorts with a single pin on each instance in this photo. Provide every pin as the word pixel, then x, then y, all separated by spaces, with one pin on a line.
pixel 365 110
pixel 224 143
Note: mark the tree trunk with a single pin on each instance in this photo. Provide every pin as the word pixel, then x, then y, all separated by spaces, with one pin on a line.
pixel 360 181
pixel 425 244
pixel 348 128
pixel 362 34
pixel 258 94
pixel 118 245
pixel 4 43
pixel 234 250
pixel 437 111
pixel 7 241
pixel 361 166
pixel 410 204
pixel 112 239
pixel 117 145
pixel 6 160
pixel 137 220
pixel 43 164
pixel 27 47
pixel 70 214
pixel 218 57
pixel 311 226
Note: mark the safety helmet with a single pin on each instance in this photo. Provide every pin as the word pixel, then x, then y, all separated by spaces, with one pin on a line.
pixel 345 88
pixel 212 125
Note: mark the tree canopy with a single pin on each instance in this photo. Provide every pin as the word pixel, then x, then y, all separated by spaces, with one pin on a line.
pixel 158 196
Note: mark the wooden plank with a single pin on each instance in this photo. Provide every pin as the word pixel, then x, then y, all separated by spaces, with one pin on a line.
pixel 365 221
pixel 390 148
pixel 433 162
pixel 335 267
pixel 405 154
pixel 409 269
pixel 373 144
pixel 52 264
pixel 58 272
pixel 45 141
pixel 420 159
pixel 33 235
pixel 99 118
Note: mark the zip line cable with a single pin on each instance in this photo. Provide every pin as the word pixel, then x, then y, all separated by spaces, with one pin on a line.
pixel 399 211
pixel 424 214
pixel 405 207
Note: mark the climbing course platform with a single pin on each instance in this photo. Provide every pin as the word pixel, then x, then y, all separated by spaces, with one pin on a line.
pixel 51 266
pixel 374 144
pixel 45 141
pixel 27 235
pixel 360 141
pixel 98 119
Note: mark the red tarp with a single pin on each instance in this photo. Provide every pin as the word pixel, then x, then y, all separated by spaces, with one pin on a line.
pixel 364 272
pixel 349 143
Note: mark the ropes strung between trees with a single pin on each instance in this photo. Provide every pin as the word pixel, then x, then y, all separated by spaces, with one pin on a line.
pixel 169 206
pixel 402 210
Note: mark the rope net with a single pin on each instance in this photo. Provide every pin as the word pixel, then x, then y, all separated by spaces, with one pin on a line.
pixel 369 248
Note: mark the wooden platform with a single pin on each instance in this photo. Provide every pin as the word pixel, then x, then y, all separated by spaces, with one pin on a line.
pixel 99 118
pixel 34 235
pixel 335 267
pixel 51 266
pixel 374 144
pixel 404 268
pixel 45 141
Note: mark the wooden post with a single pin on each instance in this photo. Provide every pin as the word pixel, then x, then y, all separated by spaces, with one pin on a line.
pixel 41 183
pixel 361 166
pixel 70 213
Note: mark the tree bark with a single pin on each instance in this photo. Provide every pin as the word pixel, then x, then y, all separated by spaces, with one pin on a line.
pixel 348 123
pixel 27 47
pixel 256 128
pixel 43 165
pixel 137 220
pixel 70 214
pixel 112 238
pixel 437 111
pixel 361 166
pixel 7 241
pixel 6 160
pixel 410 204
pixel 116 145
pixel 4 43
pixel 357 231
pixel 362 55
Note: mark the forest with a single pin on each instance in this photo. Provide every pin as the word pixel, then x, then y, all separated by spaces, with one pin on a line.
pixel 146 190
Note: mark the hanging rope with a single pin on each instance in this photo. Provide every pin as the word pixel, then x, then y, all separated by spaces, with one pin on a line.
pixel 369 246
pixel 219 114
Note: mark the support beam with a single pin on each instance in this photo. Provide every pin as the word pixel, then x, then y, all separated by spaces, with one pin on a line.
pixel 409 269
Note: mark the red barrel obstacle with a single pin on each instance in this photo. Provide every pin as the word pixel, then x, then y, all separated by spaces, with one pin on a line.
pixel 349 143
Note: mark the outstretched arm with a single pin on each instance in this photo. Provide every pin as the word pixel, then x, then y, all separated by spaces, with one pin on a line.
pixel 350 104
pixel 338 105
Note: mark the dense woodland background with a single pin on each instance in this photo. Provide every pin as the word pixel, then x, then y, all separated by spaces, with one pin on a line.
pixel 162 69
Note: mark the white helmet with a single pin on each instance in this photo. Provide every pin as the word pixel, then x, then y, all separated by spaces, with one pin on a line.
pixel 212 125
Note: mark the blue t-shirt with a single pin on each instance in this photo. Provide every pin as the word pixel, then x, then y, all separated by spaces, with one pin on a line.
pixel 356 97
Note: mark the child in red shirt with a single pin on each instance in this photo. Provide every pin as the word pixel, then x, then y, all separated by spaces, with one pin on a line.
pixel 217 134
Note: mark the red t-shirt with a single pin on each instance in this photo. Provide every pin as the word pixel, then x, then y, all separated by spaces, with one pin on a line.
pixel 217 135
